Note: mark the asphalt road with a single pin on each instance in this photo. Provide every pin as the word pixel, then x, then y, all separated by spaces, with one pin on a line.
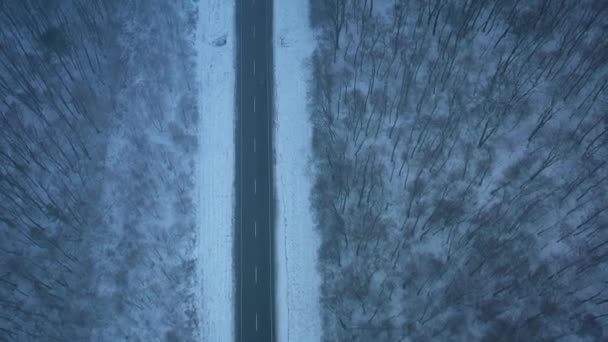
pixel 255 208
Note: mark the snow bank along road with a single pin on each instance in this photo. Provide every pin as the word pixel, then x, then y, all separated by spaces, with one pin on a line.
pixel 216 169
pixel 255 208
pixel 298 317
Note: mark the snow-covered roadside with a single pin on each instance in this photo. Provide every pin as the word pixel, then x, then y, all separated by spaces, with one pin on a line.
pixel 216 72
pixel 297 242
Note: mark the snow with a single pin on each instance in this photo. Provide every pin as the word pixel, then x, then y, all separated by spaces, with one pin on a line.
pixel 297 242
pixel 216 198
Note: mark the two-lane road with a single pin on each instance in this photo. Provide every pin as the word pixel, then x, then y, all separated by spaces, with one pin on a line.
pixel 255 208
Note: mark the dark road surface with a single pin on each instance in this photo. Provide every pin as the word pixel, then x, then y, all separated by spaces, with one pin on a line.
pixel 255 208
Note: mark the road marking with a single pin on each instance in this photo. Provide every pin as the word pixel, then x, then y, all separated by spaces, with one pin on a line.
pixel 255 186
pixel 256 274
pixel 255 228
pixel 253 31
pixel 254 104
pixel 254 66
pixel 256 321
pixel 254 145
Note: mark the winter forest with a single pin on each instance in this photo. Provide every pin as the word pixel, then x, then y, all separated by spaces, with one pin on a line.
pixel 460 169
pixel 97 140
pixel 461 153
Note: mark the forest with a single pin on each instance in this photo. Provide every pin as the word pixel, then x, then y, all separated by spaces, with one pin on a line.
pixel 98 137
pixel 461 177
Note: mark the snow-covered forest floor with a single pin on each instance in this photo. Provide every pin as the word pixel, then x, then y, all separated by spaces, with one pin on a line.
pixel 98 142
pixel 460 153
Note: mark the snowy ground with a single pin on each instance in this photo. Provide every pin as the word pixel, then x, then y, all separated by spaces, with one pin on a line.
pixel 216 69
pixel 297 242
